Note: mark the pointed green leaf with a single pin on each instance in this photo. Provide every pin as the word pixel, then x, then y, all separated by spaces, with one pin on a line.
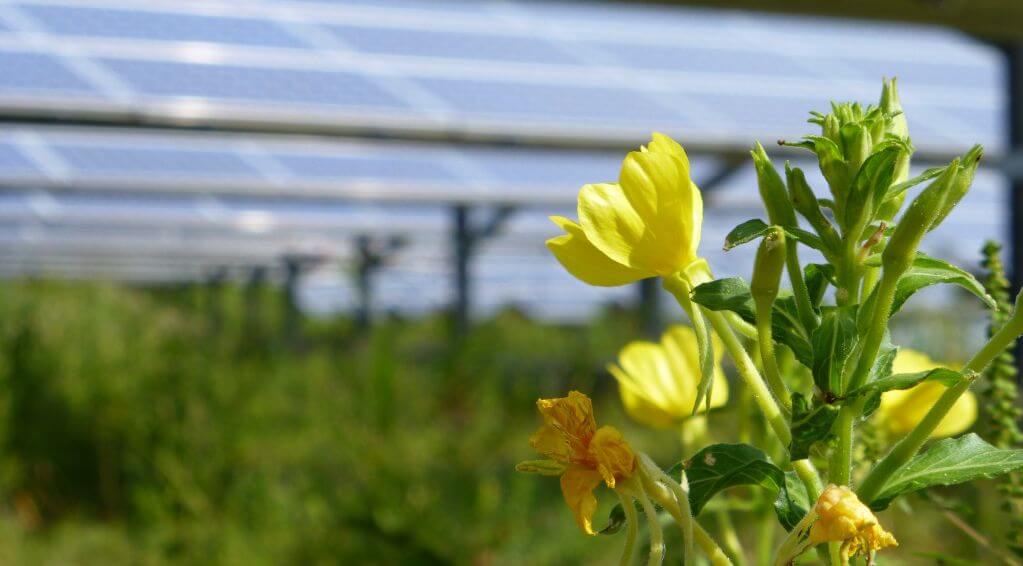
pixel 721 466
pixel 810 424
pixel 927 271
pixel 792 502
pixel 731 294
pixel 870 185
pixel 755 229
pixel 946 376
pixel 949 462
pixel 832 343
pixel 818 276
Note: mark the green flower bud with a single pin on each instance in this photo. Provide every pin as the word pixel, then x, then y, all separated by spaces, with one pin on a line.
pixel 772 189
pixel 917 219
pixel 830 129
pixel 892 108
pixel 767 267
pixel 805 202
pixel 857 143
pixel 970 161
pixel 542 467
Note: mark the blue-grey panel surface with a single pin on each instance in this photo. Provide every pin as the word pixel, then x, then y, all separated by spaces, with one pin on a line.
pixel 22 72
pixel 381 167
pixel 14 162
pixel 160 26
pixel 264 85
pixel 457 45
pixel 126 160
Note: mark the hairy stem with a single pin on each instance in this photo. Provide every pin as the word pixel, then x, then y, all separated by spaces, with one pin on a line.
pixel 631 528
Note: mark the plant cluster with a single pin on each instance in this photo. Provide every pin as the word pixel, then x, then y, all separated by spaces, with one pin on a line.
pixel 817 358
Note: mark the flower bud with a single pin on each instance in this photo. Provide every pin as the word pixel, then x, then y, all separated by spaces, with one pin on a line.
pixel 805 202
pixel 918 218
pixel 892 108
pixel 964 179
pixel 772 189
pixel 830 129
pixel 542 467
pixel 767 267
pixel 857 142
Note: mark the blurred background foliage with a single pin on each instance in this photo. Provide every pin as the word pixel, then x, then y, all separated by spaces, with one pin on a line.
pixel 180 426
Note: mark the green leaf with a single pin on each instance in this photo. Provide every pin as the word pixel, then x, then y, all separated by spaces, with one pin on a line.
pixel 832 343
pixel 755 229
pixel 946 376
pixel 721 466
pixel 949 462
pixel 809 425
pixel 788 329
pixel 792 503
pixel 731 294
pixel 927 271
pixel 615 521
pixel 870 185
pixel 818 276
pixel 899 188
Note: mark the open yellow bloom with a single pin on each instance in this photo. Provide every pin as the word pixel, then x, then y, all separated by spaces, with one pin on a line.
pixel 658 381
pixel 569 435
pixel 900 411
pixel 645 225
pixel 842 517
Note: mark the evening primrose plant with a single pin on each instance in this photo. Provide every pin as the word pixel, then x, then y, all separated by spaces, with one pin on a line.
pixel 816 358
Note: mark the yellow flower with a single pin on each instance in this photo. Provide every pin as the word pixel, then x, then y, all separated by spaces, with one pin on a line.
pixel 900 411
pixel 569 435
pixel 645 225
pixel 658 381
pixel 842 517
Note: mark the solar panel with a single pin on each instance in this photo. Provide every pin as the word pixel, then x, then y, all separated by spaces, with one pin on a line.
pixel 14 162
pixel 262 85
pixel 456 45
pixel 159 26
pixel 129 160
pixel 36 73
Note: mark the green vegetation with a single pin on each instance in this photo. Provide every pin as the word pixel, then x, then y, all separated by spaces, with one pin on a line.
pixel 181 427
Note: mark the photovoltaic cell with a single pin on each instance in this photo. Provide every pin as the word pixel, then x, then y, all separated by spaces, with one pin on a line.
pixel 390 167
pixel 128 161
pixel 14 162
pixel 701 59
pixel 160 26
pixel 547 102
pixel 438 43
pixel 274 86
pixel 39 73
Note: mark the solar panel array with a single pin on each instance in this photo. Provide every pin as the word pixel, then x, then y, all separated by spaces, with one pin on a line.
pixel 402 80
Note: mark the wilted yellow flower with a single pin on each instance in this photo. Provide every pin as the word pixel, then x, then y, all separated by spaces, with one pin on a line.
pixel 842 517
pixel 569 435
pixel 645 225
pixel 900 411
pixel 658 381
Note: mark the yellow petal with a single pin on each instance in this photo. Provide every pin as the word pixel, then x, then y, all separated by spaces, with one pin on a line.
pixel 569 419
pixel 683 353
pixel 912 361
pixel 639 408
pixel 612 454
pixel 577 485
pixel 584 261
pixel 660 190
pixel 647 368
pixel 664 144
pixel 611 224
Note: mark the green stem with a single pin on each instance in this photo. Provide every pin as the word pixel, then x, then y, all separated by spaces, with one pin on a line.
pixel 685 519
pixel 707 544
pixel 840 466
pixel 908 447
pixel 878 324
pixel 631 526
pixel 656 534
pixel 750 376
pixel 810 478
pixel 799 289
pixel 729 536
pixel 770 362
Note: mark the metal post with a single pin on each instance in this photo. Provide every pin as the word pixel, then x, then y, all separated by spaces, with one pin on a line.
pixel 365 263
pixel 1014 78
pixel 292 318
pixel 650 307
pixel 462 241
pixel 254 300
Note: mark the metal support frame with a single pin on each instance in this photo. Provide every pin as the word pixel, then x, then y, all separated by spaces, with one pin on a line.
pixel 649 290
pixel 1014 79
pixel 370 256
pixel 465 238
pixel 294 266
